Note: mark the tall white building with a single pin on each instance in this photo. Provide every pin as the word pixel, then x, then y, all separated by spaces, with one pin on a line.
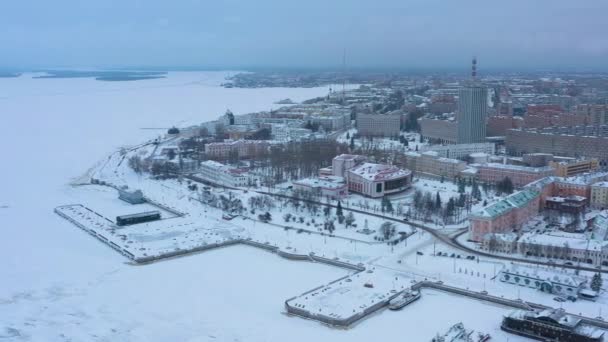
pixel 472 111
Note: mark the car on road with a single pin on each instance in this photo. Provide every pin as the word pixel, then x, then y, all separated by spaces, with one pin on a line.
pixel 419 253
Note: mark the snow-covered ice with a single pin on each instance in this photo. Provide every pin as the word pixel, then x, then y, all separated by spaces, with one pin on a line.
pixel 61 284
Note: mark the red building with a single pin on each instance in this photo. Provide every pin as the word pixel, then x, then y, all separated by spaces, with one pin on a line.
pixel 493 173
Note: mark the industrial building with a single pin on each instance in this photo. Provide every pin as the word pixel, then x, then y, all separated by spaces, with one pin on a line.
pixel 126 220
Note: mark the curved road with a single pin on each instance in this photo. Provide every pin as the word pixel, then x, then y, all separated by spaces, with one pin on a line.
pixel 450 241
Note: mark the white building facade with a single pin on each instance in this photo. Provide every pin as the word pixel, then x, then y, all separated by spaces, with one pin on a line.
pixel 220 174
pixel 461 151
pixel 324 186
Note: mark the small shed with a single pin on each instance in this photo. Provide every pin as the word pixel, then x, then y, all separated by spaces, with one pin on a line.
pixel 132 197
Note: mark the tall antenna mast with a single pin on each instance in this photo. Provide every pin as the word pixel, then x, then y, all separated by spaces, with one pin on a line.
pixel 474 68
pixel 344 74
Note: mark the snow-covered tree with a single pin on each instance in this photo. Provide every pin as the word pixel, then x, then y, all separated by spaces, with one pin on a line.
pixel 265 217
pixel 386 205
pixel 596 282
pixel 287 217
pixel 330 226
pixel 339 211
pixel 350 219
pixel 437 201
pixel 475 192
pixel 387 230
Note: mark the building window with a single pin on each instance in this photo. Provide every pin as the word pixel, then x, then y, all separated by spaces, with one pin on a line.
pixel 379 187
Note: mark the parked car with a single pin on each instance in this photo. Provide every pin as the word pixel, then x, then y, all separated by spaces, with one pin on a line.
pixel 559 299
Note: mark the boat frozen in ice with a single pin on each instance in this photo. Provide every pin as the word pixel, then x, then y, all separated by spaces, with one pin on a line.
pixel 403 299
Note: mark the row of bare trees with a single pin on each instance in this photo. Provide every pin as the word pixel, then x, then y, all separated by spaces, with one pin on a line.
pixel 296 160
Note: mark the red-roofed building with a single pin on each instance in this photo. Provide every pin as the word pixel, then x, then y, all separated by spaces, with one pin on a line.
pixel 370 179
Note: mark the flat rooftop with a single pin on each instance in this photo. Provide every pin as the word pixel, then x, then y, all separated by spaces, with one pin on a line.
pixel 327 182
pixel 348 297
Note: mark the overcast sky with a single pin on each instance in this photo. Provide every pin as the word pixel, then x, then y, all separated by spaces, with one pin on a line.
pixel 405 34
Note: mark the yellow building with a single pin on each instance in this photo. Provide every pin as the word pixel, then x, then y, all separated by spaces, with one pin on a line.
pixel 574 167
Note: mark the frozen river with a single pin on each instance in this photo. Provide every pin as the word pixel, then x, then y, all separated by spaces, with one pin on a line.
pixel 60 284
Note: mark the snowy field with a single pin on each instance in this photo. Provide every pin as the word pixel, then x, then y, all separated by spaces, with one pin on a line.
pixel 231 294
pixel 480 275
pixel 60 284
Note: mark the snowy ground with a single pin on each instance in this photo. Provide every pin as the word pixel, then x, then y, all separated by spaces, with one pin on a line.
pixel 383 143
pixel 354 232
pixel 58 129
pixel 206 298
pixel 478 275
pixel 61 284
pixel 446 190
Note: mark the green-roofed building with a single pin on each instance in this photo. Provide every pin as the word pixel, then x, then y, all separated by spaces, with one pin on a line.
pixel 506 215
